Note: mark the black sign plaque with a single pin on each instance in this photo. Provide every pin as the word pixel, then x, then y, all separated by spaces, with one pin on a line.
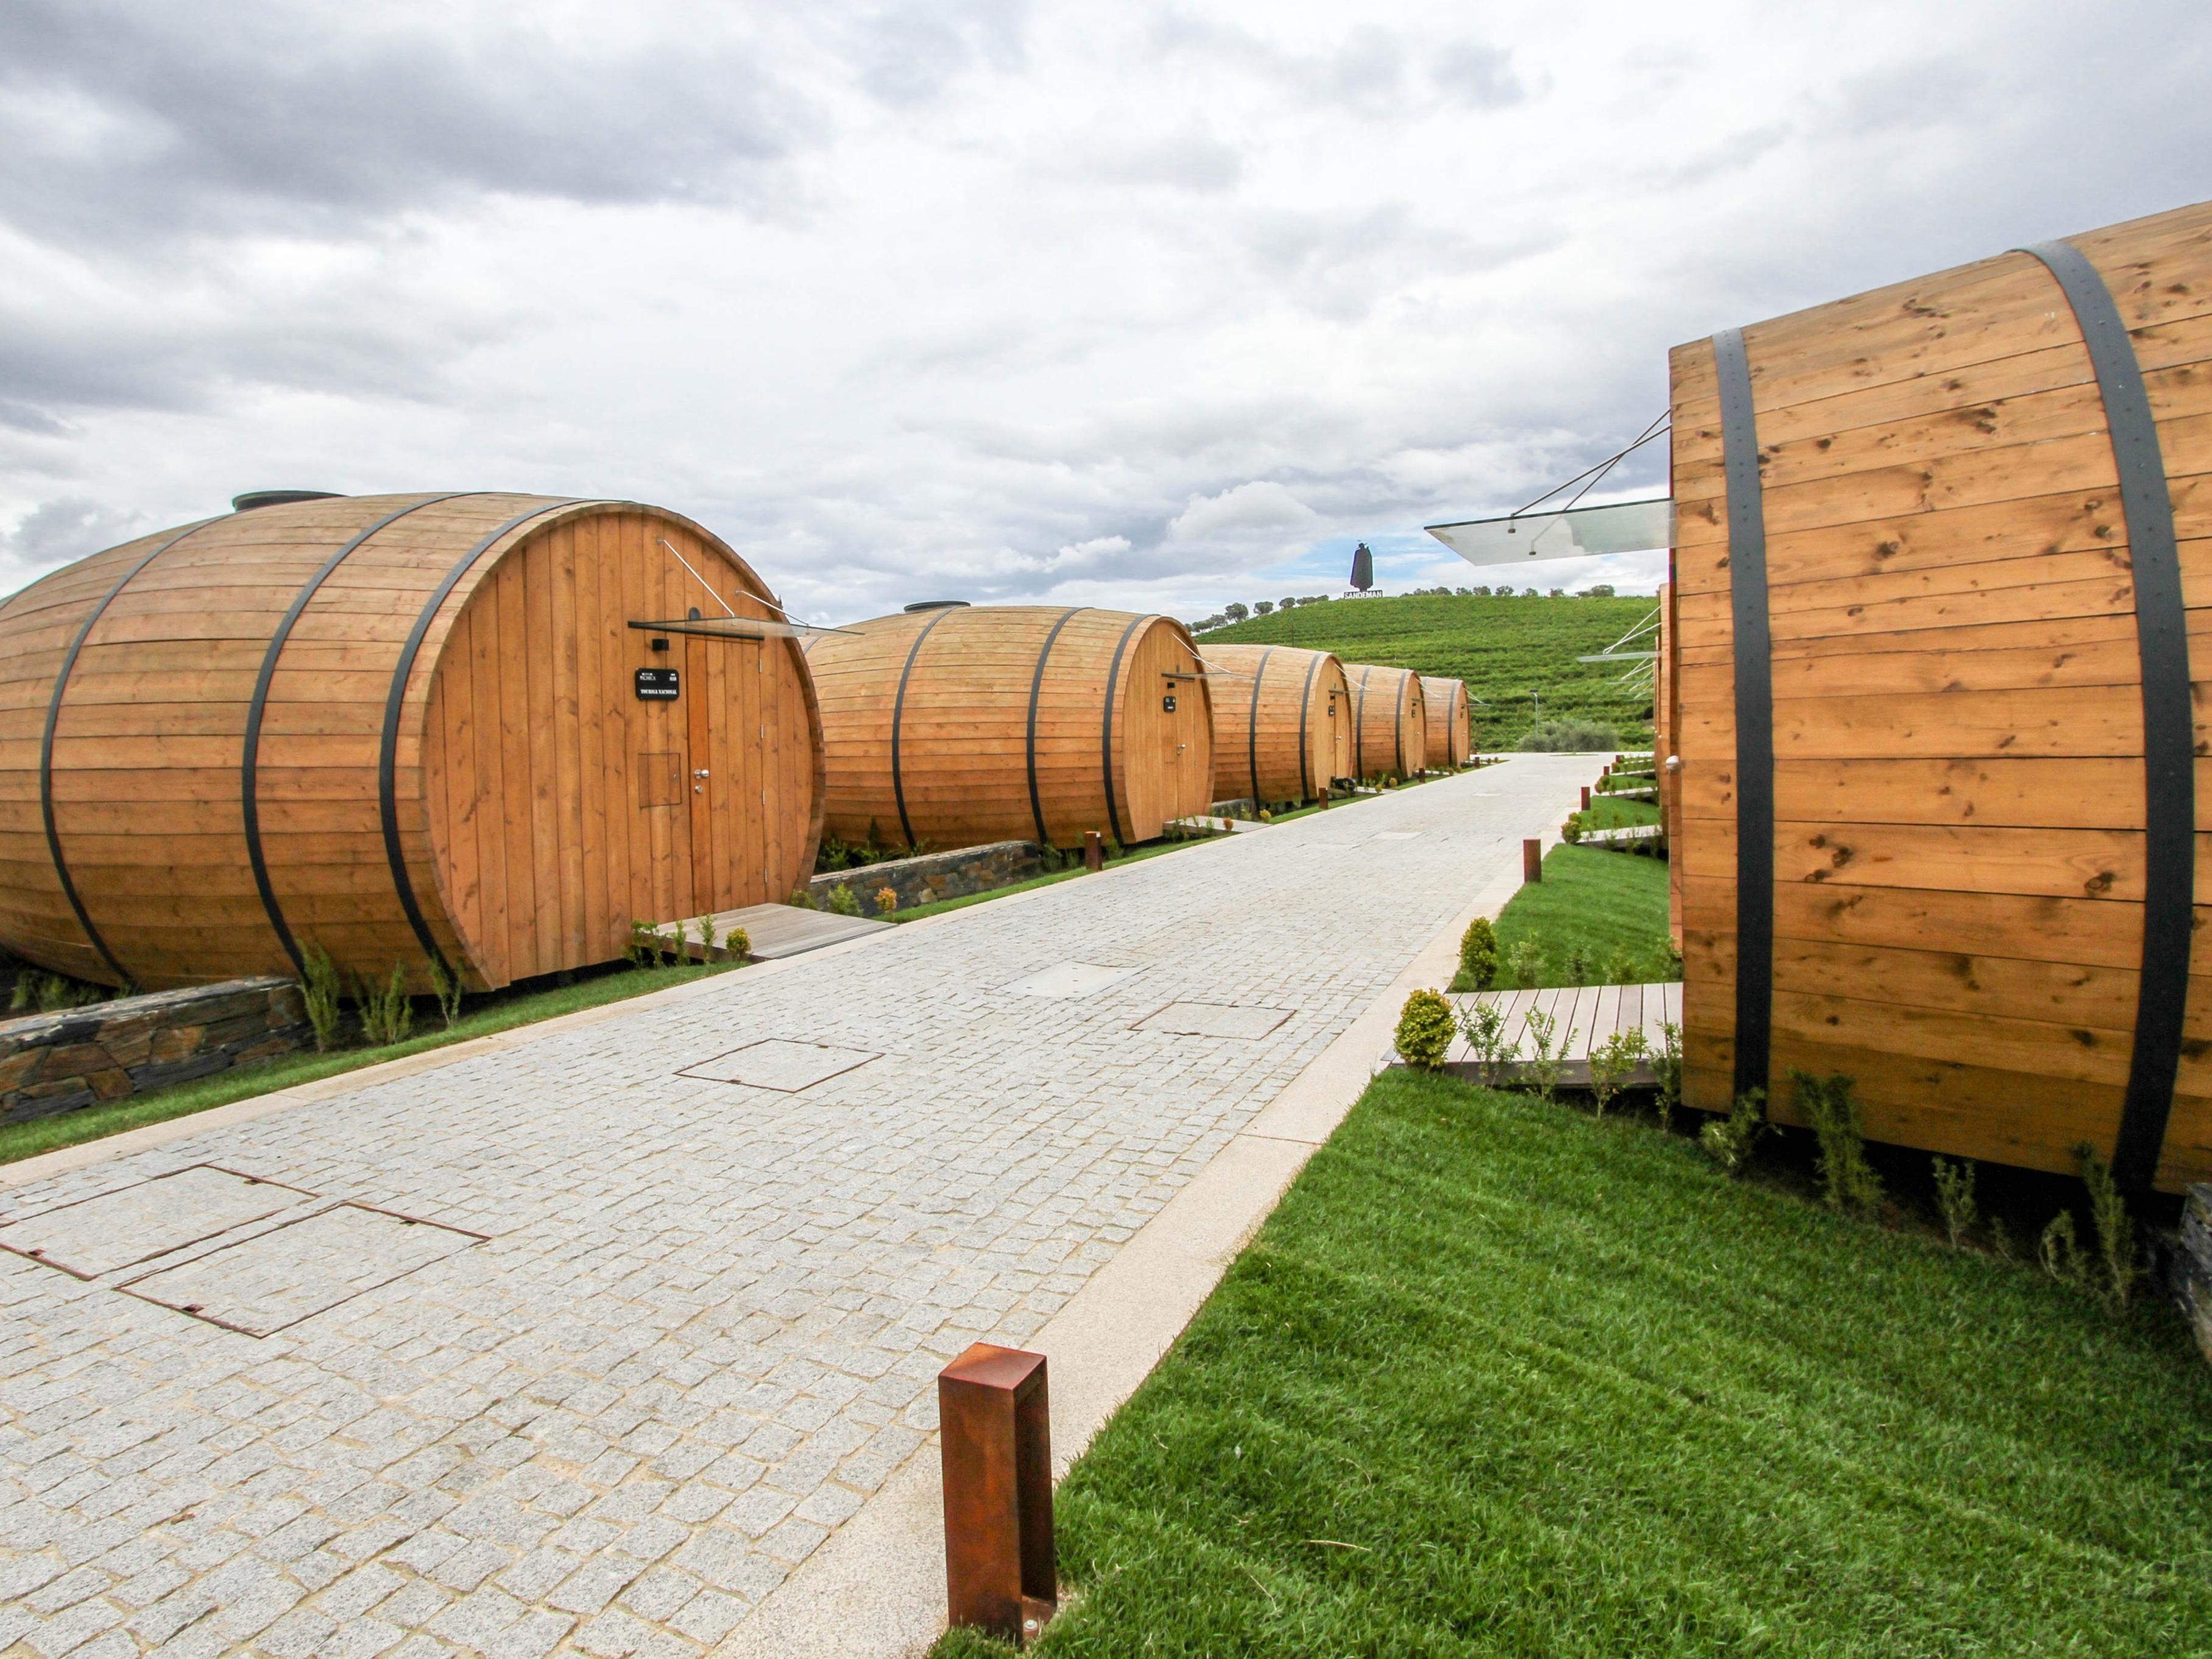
pixel 656 685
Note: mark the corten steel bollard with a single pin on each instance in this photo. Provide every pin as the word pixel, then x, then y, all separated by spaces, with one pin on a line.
pixel 1094 850
pixel 1532 861
pixel 1585 797
pixel 995 1437
pixel 1324 800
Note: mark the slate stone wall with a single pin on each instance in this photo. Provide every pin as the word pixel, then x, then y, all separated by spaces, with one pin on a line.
pixel 55 1063
pixel 2193 1266
pixel 935 875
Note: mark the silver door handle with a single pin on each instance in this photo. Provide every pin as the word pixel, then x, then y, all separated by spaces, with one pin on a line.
pixel 702 772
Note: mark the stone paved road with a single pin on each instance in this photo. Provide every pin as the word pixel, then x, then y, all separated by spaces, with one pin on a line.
pixel 699 1323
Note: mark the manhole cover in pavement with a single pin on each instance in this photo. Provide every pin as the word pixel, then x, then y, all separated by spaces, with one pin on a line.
pixel 136 1223
pixel 1213 1020
pixel 774 1063
pixel 1069 979
pixel 261 1285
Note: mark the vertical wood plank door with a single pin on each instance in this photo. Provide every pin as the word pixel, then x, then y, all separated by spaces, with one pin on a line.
pixel 954 726
pixel 1276 734
pixel 1944 817
pixel 395 729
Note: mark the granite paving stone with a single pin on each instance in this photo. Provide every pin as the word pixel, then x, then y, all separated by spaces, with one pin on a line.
pixel 672 1330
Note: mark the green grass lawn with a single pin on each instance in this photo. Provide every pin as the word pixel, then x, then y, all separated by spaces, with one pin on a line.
pixel 499 1011
pixel 1609 908
pixel 1498 1379
pixel 1503 648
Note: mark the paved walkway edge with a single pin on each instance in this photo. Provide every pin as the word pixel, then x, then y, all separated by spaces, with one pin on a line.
pixel 875 1588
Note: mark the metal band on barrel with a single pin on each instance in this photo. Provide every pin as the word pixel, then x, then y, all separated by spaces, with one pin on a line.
pixel 1755 716
pixel 1106 734
pixel 1252 737
pixel 249 768
pixel 47 752
pixel 2169 736
pixel 898 720
pixel 387 761
pixel 1036 689
pixel 1305 708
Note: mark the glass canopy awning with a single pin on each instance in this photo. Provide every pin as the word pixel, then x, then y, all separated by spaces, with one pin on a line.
pixel 1579 533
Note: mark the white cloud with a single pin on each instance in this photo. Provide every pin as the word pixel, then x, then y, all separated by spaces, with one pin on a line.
pixel 1125 304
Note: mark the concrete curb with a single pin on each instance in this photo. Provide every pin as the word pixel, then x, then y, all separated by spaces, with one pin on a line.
pixel 875 1588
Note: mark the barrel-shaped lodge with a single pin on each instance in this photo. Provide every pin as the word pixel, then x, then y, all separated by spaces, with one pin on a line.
pixel 398 729
pixel 1389 722
pixel 951 725
pixel 1450 722
pixel 1944 553
pixel 1282 722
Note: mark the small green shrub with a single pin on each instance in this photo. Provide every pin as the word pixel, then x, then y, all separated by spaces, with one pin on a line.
pixel 707 940
pixel 1571 831
pixel 1847 1180
pixel 52 993
pixel 1667 1068
pixel 1525 960
pixel 2117 1251
pixel 1549 1059
pixel 1569 737
pixel 1610 1063
pixel 322 995
pixel 801 899
pixel 739 943
pixel 1482 1024
pixel 1425 1027
pixel 447 984
pixel 886 901
pixel 1478 954
pixel 2059 1250
pixel 1730 1142
pixel 844 901
pixel 386 1016
pixel 1955 1198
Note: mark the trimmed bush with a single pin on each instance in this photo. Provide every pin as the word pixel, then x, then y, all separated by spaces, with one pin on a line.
pixel 1478 954
pixel 1426 1026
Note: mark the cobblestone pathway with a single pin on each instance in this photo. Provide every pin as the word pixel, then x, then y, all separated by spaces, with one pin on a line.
pixel 663 1332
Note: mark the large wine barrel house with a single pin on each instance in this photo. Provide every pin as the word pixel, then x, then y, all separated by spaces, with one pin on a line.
pixel 951 725
pixel 1944 562
pixel 1449 719
pixel 1282 722
pixel 1389 722
pixel 486 729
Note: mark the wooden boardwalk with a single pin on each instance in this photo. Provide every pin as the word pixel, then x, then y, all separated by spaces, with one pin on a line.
pixel 1584 1016
pixel 1628 835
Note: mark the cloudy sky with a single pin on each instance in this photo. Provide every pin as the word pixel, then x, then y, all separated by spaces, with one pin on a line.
pixel 1138 305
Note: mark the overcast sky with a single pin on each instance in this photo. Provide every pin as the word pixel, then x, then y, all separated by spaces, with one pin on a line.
pixel 1142 305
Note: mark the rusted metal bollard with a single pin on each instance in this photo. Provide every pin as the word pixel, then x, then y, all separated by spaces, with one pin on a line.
pixel 995 1437
pixel 1532 861
pixel 1094 850
pixel 1585 797
pixel 1324 798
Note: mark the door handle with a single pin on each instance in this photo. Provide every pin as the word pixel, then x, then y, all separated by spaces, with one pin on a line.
pixel 702 772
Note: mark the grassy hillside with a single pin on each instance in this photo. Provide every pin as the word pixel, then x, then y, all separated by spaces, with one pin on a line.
pixel 1502 647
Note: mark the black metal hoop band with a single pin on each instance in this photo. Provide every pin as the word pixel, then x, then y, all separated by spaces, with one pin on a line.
pixel 1252 737
pixel 1754 655
pixel 1106 734
pixel 2169 734
pixel 1036 689
pixel 1305 707
pixel 898 724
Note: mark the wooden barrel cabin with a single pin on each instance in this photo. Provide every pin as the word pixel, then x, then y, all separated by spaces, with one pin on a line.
pixel 1389 723
pixel 1450 722
pixel 1282 722
pixel 951 725
pixel 1944 553
pixel 396 728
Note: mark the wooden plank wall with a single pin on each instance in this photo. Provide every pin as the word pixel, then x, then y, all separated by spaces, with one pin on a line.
pixel 1300 692
pixel 1958 716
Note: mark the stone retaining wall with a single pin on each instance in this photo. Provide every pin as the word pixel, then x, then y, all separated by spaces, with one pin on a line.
pixel 54 1062
pixel 935 875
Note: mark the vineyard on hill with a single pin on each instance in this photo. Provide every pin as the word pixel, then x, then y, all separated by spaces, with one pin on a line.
pixel 1504 646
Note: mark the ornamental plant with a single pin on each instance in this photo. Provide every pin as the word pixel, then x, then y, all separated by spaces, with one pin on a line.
pixel 1425 1028
pixel 1478 954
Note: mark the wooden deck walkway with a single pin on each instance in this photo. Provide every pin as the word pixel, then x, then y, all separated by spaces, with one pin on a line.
pixel 1628 835
pixel 1585 1015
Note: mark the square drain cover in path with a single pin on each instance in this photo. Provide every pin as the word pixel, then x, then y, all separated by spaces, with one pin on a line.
pixel 1213 1020
pixel 774 1063
pixel 282 1276
pixel 1396 835
pixel 137 1223
pixel 1066 980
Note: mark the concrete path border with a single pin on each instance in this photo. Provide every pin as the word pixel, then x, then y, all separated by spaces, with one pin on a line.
pixel 875 1589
